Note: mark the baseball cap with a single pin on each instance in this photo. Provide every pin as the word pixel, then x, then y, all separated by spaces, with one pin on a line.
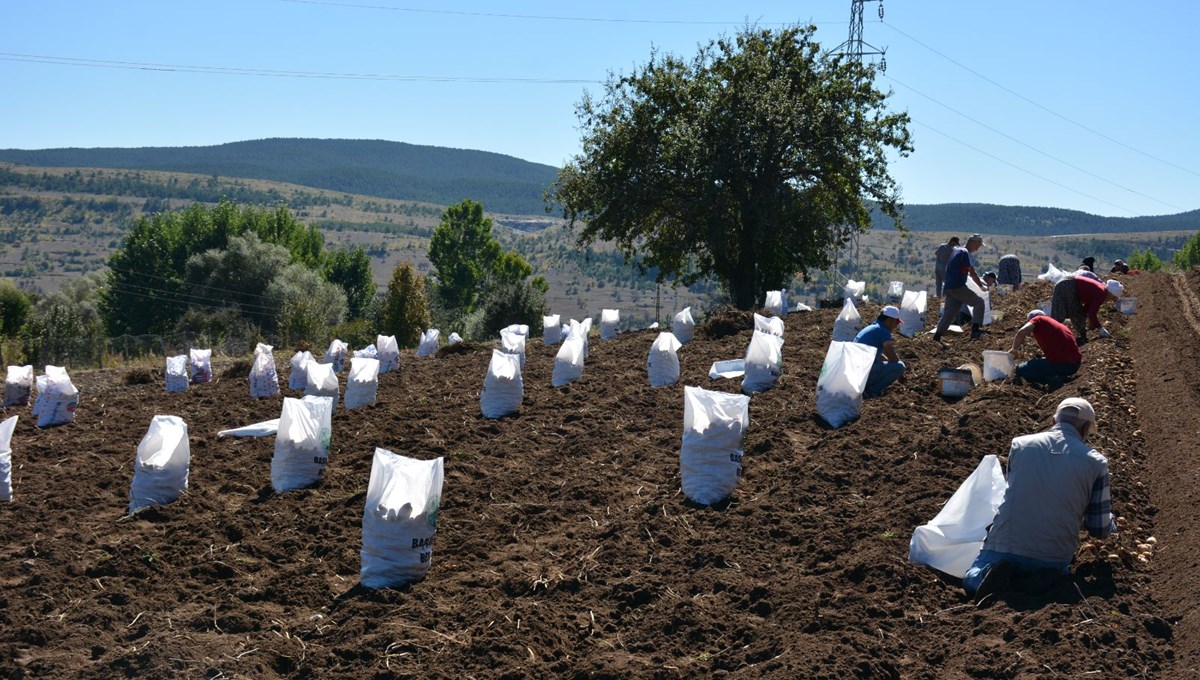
pixel 989 273
pixel 1075 407
pixel 1114 287
pixel 1032 313
pixel 890 312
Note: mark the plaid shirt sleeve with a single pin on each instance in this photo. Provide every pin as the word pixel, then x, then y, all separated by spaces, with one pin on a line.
pixel 1099 518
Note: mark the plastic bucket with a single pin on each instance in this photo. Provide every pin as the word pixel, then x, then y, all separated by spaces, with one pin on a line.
pixel 997 365
pixel 1127 305
pixel 997 317
pixel 954 382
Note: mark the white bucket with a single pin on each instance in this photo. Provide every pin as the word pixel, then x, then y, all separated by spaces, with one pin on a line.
pixel 1127 305
pixel 997 365
pixel 997 317
pixel 954 382
pixel 1045 305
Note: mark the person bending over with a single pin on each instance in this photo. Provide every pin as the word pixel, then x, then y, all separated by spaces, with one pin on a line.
pixel 887 368
pixel 1061 356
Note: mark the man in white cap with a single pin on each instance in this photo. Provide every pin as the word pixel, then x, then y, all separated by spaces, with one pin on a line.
pixel 887 368
pixel 956 292
pixel 1079 299
pixel 1055 481
pixel 1061 354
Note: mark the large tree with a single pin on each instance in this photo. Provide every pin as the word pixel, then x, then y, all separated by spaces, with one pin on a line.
pixel 463 252
pixel 753 161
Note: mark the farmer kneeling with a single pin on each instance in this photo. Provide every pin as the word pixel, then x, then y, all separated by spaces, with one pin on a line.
pixel 1055 480
pixel 879 335
pixel 1057 342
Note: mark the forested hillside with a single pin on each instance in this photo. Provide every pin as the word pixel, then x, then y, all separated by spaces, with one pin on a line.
pixel 1014 220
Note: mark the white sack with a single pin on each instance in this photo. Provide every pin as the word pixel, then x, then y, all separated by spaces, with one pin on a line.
pixel 512 342
pixel 454 339
pixel 400 519
pixel 551 330
pixel 302 442
pixel 321 381
pixel 264 429
pixel 362 385
pixel 987 301
pixel 610 319
pixel 568 363
pixel 264 381
pixel 585 330
pixel 58 398
pixel 776 302
pixel 160 469
pixel 710 458
pixel 6 433
pixel 336 355
pixel 663 363
pixel 764 362
pixel 429 342
pixel 43 382
pixel 895 291
pixel 518 328
pixel 368 352
pixel 298 373
pixel 854 289
pixel 503 388
pixel 388 353
pixel 912 313
pixel 848 321
pixel 18 385
pixel 200 365
pixel 729 368
pixel 952 540
pixel 1053 274
pixel 801 307
pixel 176 373
pixel 683 326
pixel 771 325
pixel 842 381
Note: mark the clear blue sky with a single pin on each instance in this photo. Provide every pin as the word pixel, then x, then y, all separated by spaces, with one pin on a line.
pixel 1063 103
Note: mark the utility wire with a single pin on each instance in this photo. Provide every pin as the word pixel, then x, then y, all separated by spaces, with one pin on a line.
pixel 198 285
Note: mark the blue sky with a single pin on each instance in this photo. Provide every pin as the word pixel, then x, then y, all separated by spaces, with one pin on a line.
pixel 1082 105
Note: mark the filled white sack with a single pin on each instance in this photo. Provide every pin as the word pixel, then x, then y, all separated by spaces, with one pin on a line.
pixel 552 329
pixel 263 429
pixel 336 355
pixel 399 519
pixel 362 385
pixel 302 442
pixel 663 363
pixel 321 381
pixel 585 330
pixel 512 342
pixel 854 289
pixel 160 468
pixel 503 387
pixel 57 398
pixel 951 541
pixel 710 458
pixel 518 328
pixel 18 385
pixel 610 320
pixel 568 362
pixel 43 382
pixel 388 353
pixel 842 381
pixel 912 313
pixel 368 352
pixel 771 325
pixel 847 323
pixel 683 326
pixel 298 374
pixel 264 381
pixel 176 373
pixel 6 433
pixel 199 365
pixel 776 302
pixel 764 362
pixel 1052 274
pixel 429 342
pixel 987 301
pixel 895 292
pixel 454 339
pixel 801 307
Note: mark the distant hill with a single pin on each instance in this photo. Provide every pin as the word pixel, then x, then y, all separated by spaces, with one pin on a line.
pixel 430 174
pixel 1010 220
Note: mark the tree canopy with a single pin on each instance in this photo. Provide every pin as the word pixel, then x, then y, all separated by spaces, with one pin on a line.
pixel 753 161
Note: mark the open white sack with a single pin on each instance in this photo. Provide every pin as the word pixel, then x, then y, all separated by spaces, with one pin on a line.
pixel 503 387
pixel 847 323
pixel 429 342
pixel 776 302
pixel 57 398
pixel 512 342
pixel 42 382
pixel 160 468
pixel 1052 274
pixel 764 362
pixel 264 429
pixel 388 353
pixel 683 326
pixel 368 352
pixel 18 385
pixel 321 381
pixel 854 289
pixel 399 519
pixel 199 365
pixel 662 364
pixel 336 355
pixel 264 381
pixel 551 329
pixel 176 373
pixel 771 325
pixel 302 443
pixel 6 433
pixel 610 320
pixel 297 373
pixel 951 541
pixel 518 328
pixel 842 381
pixel 710 458
pixel 362 385
pixel 895 291
pixel 912 312
pixel 568 363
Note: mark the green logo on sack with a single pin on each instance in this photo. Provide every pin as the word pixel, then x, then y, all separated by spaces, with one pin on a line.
pixel 431 511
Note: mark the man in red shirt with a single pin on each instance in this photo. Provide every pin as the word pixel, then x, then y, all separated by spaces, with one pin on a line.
pixel 1057 342
pixel 1079 298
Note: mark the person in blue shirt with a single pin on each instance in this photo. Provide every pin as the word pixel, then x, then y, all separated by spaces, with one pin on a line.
pixel 956 292
pixel 887 368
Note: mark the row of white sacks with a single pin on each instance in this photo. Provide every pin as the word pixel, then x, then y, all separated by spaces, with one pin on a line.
pixel 57 396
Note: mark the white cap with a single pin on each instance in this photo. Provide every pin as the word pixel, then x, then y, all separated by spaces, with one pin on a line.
pixel 1075 407
pixel 1032 313
pixel 1114 287
pixel 890 312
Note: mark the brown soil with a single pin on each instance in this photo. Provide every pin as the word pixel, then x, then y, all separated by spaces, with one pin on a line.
pixel 565 547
